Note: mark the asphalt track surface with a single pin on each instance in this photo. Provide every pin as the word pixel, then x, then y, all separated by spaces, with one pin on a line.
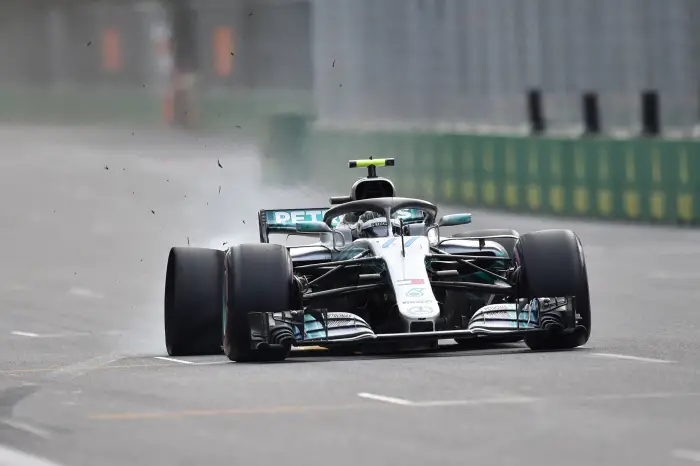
pixel 83 252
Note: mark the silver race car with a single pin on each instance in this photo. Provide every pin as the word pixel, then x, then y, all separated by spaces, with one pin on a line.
pixel 381 277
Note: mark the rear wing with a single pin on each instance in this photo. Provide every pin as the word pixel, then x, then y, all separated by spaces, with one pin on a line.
pixel 284 221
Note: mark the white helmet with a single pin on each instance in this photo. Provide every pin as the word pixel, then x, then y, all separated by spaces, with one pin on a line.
pixel 374 225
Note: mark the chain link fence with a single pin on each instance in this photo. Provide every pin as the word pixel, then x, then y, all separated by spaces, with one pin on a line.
pixel 456 64
pixel 470 63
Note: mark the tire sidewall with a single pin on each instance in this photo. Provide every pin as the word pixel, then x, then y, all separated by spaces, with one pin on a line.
pixel 530 249
pixel 245 265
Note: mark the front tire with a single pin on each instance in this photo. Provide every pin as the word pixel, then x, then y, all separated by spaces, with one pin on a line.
pixel 259 279
pixel 193 290
pixel 552 264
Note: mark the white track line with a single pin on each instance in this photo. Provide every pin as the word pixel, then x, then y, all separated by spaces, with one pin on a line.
pixel 51 335
pixel 212 363
pixel 20 333
pixel 25 334
pixel 526 399
pixel 689 455
pixel 173 360
pixel 477 402
pixel 386 399
pixel 435 404
pixel 192 363
pixel 516 400
pixel 26 428
pixel 12 457
pixel 637 396
pixel 85 293
pixel 630 358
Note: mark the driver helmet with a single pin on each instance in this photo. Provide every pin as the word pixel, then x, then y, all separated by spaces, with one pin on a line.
pixel 374 225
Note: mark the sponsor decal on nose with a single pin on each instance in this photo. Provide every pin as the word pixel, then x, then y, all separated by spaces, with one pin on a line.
pixel 413 281
pixel 410 241
pixel 420 311
pixel 415 292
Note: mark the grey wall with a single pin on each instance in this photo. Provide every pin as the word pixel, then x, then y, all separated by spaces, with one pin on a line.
pixel 470 62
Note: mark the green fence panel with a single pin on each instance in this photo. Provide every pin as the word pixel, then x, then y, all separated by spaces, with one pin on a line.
pixel 651 181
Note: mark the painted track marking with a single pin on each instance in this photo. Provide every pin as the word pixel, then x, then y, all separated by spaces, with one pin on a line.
pixel 55 368
pixel 25 334
pixel 526 399
pixel 136 416
pixel 630 358
pixel 163 358
pixel 478 402
pixel 26 428
pixel 192 363
pixel 212 363
pixel 52 335
pixel 85 293
pixel 443 403
pixel 385 399
pixel 523 399
pixel 689 455
pixel 10 456
pixel 386 402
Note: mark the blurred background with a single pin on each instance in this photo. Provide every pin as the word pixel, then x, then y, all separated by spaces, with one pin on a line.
pixel 541 92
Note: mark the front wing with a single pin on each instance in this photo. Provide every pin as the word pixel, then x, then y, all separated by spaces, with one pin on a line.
pixel 342 328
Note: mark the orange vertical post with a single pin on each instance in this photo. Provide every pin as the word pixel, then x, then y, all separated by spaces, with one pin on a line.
pixel 112 59
pixel 224 53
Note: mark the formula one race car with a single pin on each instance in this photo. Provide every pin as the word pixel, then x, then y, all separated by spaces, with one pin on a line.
pixel 381 277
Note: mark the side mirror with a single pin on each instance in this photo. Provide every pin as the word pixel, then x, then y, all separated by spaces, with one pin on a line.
pixel 338 240
pixel 433 234
pixel 455 219
pixel 313 227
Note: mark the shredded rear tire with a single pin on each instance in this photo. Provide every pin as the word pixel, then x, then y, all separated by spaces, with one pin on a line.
pixel 193 291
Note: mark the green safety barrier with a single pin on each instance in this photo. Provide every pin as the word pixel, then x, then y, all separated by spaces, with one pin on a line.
pixel 653 181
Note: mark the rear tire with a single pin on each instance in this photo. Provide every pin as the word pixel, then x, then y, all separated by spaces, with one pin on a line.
pixel 193 291
pixel 259 278
pixel 552 264
pixel 507 243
